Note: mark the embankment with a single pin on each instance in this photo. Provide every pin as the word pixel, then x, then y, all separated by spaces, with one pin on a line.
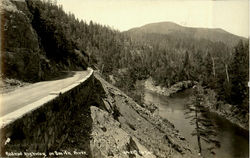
pixel 94 119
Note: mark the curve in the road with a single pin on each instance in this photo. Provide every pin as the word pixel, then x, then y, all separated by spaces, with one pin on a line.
pixel 25 99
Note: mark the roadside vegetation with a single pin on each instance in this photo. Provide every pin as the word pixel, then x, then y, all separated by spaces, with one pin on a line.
pixel 63 42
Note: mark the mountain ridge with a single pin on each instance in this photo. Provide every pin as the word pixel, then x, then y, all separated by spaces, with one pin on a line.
pixel 170 28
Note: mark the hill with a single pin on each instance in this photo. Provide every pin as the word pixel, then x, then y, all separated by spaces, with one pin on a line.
pixel 41 40
pixel 173 29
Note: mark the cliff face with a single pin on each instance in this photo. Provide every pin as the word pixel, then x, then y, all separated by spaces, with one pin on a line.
pixel 94 119
pixel 28 51
pixel 20 46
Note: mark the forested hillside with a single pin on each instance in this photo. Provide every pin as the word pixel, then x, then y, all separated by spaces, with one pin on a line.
pixel 42 39
pixel 182 53
pixel 182 32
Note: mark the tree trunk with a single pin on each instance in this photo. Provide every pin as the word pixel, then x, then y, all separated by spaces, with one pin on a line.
pixel 213 66
pixel 198 133
pixel 199 143
pixel 227 74
pixel 102 68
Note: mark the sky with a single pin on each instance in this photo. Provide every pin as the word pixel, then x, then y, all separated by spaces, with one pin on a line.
pixel 230 15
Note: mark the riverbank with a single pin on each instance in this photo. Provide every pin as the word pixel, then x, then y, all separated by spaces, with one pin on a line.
pixel 232 138
pixel 232 114
pixel 227 111
pixel 150 85
pixel 146 131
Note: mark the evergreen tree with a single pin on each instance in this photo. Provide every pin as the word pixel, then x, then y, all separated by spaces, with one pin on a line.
pixel 239 73
pixel 204 128
pixel 65 43
pixel 208 69
pixel 186 68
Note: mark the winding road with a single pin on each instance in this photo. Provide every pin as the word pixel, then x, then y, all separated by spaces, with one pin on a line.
pixel 23 96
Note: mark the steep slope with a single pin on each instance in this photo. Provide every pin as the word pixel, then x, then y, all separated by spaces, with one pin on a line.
pixel 151 135
pixel 101 121
pixel 32 47
pixel 19 44
pixel 172 29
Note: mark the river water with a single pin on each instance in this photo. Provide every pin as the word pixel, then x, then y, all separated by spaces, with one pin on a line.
pixel 233 139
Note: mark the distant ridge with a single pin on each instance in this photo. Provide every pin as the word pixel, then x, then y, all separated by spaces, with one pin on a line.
pixel 170 28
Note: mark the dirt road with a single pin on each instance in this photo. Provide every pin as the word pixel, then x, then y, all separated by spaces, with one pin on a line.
pixel 25 95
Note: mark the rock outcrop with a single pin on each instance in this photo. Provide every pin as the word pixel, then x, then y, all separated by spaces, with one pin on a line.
pixel 94 119
pixel 20 51
pixel 127 129
pixel 150 85
pixel 23 54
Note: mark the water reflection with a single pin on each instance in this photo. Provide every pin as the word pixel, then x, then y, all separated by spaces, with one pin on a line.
pixel 234 140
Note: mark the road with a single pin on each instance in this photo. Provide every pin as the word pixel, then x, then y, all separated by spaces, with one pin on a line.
pixel 23 96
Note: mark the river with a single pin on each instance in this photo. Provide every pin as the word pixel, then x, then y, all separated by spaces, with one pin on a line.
pixel 233 139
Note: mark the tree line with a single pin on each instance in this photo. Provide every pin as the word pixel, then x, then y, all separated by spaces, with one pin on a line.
pixel 76 44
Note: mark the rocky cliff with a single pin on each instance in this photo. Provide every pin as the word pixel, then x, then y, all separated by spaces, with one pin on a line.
pixel 94 119
pixel 27 51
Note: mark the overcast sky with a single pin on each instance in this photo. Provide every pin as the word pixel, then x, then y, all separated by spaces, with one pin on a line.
pixel 230 15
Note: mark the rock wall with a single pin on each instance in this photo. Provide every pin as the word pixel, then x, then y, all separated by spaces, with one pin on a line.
pixel 20 46
pixel 23 54
pixel 64 123
pixel 94 119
